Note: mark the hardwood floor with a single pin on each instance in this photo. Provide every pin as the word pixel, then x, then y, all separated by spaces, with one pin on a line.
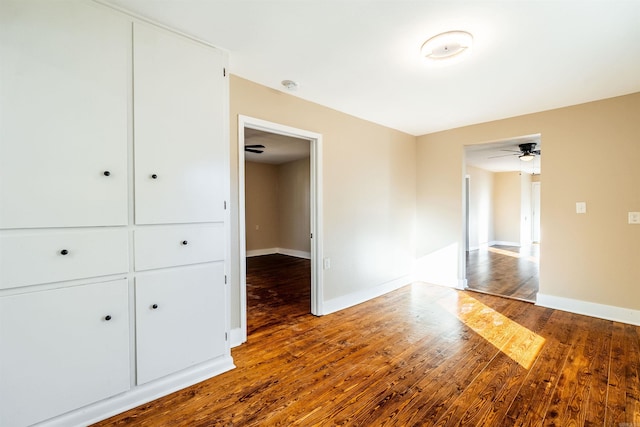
pixel 508 271
pixel 423 355
pixel 275 282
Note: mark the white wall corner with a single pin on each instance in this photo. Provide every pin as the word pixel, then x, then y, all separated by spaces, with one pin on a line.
pixel 601 311
pixel 355 298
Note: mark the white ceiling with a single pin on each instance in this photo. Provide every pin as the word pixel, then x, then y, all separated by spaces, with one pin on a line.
pixel 362 57
pixel 503 156
pixel 278 149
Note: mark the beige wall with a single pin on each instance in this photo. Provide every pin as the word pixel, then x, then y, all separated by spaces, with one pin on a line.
pixel 261 205
pixel 293 206
pixel 591 154
pixel 480 207
pixel 277 206
pixel 368 183
pixel 506 207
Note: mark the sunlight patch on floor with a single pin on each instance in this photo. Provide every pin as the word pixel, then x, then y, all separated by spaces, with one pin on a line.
pixel 513 254
pixel 511 338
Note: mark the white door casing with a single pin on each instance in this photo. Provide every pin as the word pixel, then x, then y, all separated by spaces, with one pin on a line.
pixel 316 234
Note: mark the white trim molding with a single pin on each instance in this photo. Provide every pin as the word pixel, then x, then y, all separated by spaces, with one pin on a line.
pixel 316 218
pixel 602 311
pixel 260 252
pixel 364 295
pixel 503 243
pixel 141 394
pixel 237 337
pixel 283 251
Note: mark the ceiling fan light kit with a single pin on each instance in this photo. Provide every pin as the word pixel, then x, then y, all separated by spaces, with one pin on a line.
pixel 527 157
pixel 448 45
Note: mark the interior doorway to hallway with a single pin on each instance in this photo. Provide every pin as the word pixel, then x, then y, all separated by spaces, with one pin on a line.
pixel 502 217
pixel 280 185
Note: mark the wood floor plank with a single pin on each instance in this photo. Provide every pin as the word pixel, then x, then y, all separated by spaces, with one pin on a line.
pixel 504 270
pixel 623 391
pixel 423 355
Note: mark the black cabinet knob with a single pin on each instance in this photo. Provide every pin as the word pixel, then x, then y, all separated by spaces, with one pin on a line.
pixel 64 252
pixel 107 317
pixel 154 306
pixel 106 173
pixel 154 176
pixel 185 243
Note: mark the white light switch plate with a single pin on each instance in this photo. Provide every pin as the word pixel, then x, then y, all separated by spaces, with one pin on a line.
pixel 581 207
pixel 634 217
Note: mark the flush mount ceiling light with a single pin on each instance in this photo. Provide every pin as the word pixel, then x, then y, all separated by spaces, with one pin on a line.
pixel 290 84
pixel 449 45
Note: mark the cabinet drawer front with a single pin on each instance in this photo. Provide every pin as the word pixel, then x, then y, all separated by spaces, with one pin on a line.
pixel 36 257
pixel 180 319
pixel 170 246
pixel 59 352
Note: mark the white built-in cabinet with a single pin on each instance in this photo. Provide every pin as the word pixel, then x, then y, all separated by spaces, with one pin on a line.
pixel 62 349
pixel 113 221
pixel 179 173
pixel 65 71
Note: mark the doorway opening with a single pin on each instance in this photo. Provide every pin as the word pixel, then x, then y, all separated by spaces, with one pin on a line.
pixel 501 201
pixel 280 223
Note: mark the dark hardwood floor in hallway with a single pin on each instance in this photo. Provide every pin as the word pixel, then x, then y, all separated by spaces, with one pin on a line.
pixel 422 355
pixel 278 291
pixel 508 271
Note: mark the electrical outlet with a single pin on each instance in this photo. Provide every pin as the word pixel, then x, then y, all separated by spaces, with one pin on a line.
pixel 257 227
pixel 581 207
pixel 634 217
pixel 327 263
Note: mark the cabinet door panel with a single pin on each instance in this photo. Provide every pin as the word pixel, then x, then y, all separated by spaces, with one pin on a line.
pixel 187 325
pixel 59 352
pixel 65 73
pixel 179 136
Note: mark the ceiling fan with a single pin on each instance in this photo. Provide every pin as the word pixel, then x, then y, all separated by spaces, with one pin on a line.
pixel 256 148
pixel 527 152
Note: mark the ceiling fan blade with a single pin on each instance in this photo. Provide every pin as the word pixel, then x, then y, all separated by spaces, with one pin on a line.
pixel 504 155
pixel 251 150
pixel 512 151
pixel 254 146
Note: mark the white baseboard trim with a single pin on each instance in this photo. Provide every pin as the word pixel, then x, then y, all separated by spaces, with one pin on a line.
pixel 294 252
pixel 484 245
pixel 462 284
pixel 238 337
pixel 602 311
pixel 364 295
pixel 141 394
pixel 260 252
pixel 503 243
pixel 284 251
